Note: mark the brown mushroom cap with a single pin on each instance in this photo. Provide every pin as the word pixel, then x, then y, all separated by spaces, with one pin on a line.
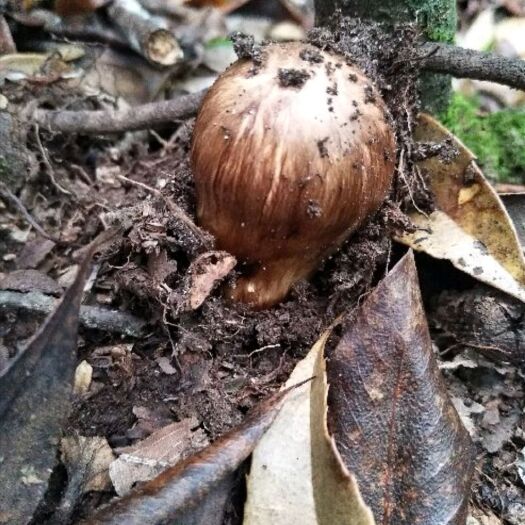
pixel 288 161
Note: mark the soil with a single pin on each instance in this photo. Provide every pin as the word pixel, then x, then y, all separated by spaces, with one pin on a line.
pixel 216 362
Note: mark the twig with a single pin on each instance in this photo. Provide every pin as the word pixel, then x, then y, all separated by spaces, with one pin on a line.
pixel 146 33
pixel 94 317
pixel 176 210
pixel 466 63
pixel 7 44
pixel 435 57
pixel 27 216
pixel 117 120
pixel 47 162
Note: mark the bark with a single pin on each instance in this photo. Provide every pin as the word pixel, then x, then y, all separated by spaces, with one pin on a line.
pixel 436 18
pixel 466 63
pixel 118 120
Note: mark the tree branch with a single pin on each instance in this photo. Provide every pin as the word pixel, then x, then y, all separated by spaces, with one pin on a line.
pixel 436 57
pixel 478 65
pixel 117 120
pixel 94 317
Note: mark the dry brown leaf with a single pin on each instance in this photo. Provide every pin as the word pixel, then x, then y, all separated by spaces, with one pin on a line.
pixel 205 272
pixel 87 461
pixel 83 378
pixel 178 489
pixel 162 449
pixel 470 227
pixel 297 475
pixel 390 413
pixel 34 401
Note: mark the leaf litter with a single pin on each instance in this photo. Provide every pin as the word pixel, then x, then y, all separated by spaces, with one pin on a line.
pixel 35 397
pixel 225 359
pixel 297 475
pixel 470 226
pixel 390 413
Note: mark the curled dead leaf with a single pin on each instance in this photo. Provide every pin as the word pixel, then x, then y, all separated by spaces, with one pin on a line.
pixel 205 272
pixel 42 371
pixel 297 475
pixel 470 226
pixel 392 419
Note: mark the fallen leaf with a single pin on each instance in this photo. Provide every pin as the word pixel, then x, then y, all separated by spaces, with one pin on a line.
pixel 87 461
pixel 470 227
pixel 205 272
pixel 297 475
pixel 210 511
pixel 465 414
pixel 34 400
pixel 179 488
pixel 148 421
pixel 166 366
pixel 162 449
pixel 83 378
pixel 495 437
pixel 390 413
pixel 482 318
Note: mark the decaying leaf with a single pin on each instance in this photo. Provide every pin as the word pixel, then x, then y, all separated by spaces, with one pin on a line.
pixel 470 227
pixel 515 206
pixel 297 475
pixel 205 272
pixel 34 400
pixel 178 489
pixel 83 378
pixel 87 461
pixel 393 423
pixel 162 449
pixel 482 318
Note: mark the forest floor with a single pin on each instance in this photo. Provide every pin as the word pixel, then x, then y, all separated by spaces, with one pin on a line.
pixel 213 363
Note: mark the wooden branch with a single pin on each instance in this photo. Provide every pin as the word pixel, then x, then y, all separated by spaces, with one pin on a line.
pixel 145 116
pixel 467 63
pixel 442 58
pixel 94 317
pixel 146 33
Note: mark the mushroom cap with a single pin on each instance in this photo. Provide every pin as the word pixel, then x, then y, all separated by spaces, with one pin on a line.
pixel 290 156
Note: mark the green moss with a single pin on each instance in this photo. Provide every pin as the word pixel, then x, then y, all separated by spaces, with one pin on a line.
pixel 218 41
pixel 497 139
pixel 438 18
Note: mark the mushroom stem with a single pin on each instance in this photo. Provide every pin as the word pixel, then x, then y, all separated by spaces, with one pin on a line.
pixel 268 284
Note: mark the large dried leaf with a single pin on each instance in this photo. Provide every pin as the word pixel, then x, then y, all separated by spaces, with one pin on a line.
pixel 169 497
pixel 297 475
pixel 34 400
pixel 87 461
pixel 470 227
pixel 162 449
pixel 392 420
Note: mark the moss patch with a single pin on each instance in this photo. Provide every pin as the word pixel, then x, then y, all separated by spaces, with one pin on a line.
pixel 497 139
